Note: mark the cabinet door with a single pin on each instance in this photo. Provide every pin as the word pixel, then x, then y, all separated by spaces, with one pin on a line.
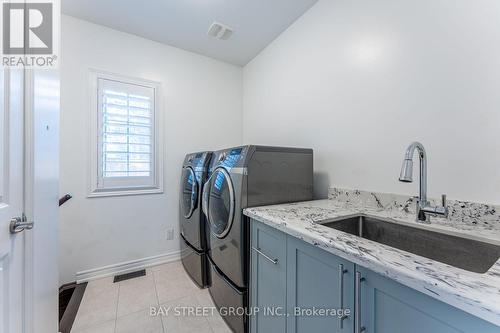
pixel 317 279
pixel 389 307
pixel 268 279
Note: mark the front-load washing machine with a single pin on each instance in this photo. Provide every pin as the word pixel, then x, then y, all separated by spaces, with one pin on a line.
pixel 192 220
pixel 242 177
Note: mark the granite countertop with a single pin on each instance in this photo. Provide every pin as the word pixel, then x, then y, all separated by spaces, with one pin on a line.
pixel 475 293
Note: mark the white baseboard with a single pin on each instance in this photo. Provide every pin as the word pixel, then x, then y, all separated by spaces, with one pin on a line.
pixel 126 267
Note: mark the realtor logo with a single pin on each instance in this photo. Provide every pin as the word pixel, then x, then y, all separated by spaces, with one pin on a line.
pixel 28 33
pixel 27 28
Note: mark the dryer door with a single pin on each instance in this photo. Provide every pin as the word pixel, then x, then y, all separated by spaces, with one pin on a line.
pixel 189 192
pixel 220 203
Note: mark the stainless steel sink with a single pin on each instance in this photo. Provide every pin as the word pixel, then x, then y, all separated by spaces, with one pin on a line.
pixel 468 254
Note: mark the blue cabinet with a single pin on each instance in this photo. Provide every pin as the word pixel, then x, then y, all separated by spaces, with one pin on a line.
pixel 389 307
pixel 268 279
pixel 291 280
pixel 319 284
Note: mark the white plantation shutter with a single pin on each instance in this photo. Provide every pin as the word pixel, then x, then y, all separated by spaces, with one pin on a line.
pixel 126 135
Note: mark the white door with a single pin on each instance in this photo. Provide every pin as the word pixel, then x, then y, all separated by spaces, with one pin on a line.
pixel 12 255
pixel 29 171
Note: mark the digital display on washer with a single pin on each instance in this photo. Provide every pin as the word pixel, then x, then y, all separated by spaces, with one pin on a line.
pixel 236 151
pixel 232 158
pixel 229 162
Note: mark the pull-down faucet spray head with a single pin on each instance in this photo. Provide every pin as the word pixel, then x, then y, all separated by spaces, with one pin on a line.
pixel 406 174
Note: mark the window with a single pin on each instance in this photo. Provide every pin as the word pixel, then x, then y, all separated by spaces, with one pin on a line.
pixel 126 154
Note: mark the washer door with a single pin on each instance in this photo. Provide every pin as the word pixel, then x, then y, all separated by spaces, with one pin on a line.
pixel 220 203
pixel 189 192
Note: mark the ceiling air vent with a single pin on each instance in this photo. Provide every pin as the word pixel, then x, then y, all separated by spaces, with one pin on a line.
pixel 220 31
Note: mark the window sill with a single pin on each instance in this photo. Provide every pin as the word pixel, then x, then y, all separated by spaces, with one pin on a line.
pixel 123 192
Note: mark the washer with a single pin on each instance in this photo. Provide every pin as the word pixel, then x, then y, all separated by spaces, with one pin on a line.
pixel 192 220
pixel 242 177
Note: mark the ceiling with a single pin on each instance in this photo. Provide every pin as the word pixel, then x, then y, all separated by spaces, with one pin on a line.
pixel 184 23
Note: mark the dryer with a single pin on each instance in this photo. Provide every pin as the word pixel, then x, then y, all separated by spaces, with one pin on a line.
pixel 192 221
pixel 242 177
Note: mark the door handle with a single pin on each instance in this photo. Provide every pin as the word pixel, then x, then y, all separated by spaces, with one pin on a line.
pixel 273 260
pixel 342 271
pixel 357 304
pixel 18 224
pixel 64 199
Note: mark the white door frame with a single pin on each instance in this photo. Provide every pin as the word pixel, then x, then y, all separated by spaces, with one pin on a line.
pixel 41 169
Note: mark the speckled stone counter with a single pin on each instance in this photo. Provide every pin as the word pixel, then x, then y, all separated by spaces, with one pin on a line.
pixel 475 293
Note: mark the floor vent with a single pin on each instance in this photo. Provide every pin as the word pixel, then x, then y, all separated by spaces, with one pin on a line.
pixel 128 276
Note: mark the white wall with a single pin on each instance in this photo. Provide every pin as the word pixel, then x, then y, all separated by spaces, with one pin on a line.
pixel 199 93
pixel 355 80
pixel 359 80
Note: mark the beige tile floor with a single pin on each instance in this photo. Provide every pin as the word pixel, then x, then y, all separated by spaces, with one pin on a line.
pixel 124 307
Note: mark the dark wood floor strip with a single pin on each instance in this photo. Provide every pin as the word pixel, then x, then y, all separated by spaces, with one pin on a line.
pixel 74 304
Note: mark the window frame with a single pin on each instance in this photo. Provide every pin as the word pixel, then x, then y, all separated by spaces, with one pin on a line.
pixel 128 187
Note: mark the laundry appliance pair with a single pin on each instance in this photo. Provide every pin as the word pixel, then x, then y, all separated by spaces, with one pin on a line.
pixel 215 188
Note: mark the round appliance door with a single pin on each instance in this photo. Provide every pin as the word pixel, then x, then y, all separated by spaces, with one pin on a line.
pixel 189 192
pixel 220 203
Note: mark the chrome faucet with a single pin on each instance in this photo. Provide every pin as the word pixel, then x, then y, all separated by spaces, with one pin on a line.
pixel 424 209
